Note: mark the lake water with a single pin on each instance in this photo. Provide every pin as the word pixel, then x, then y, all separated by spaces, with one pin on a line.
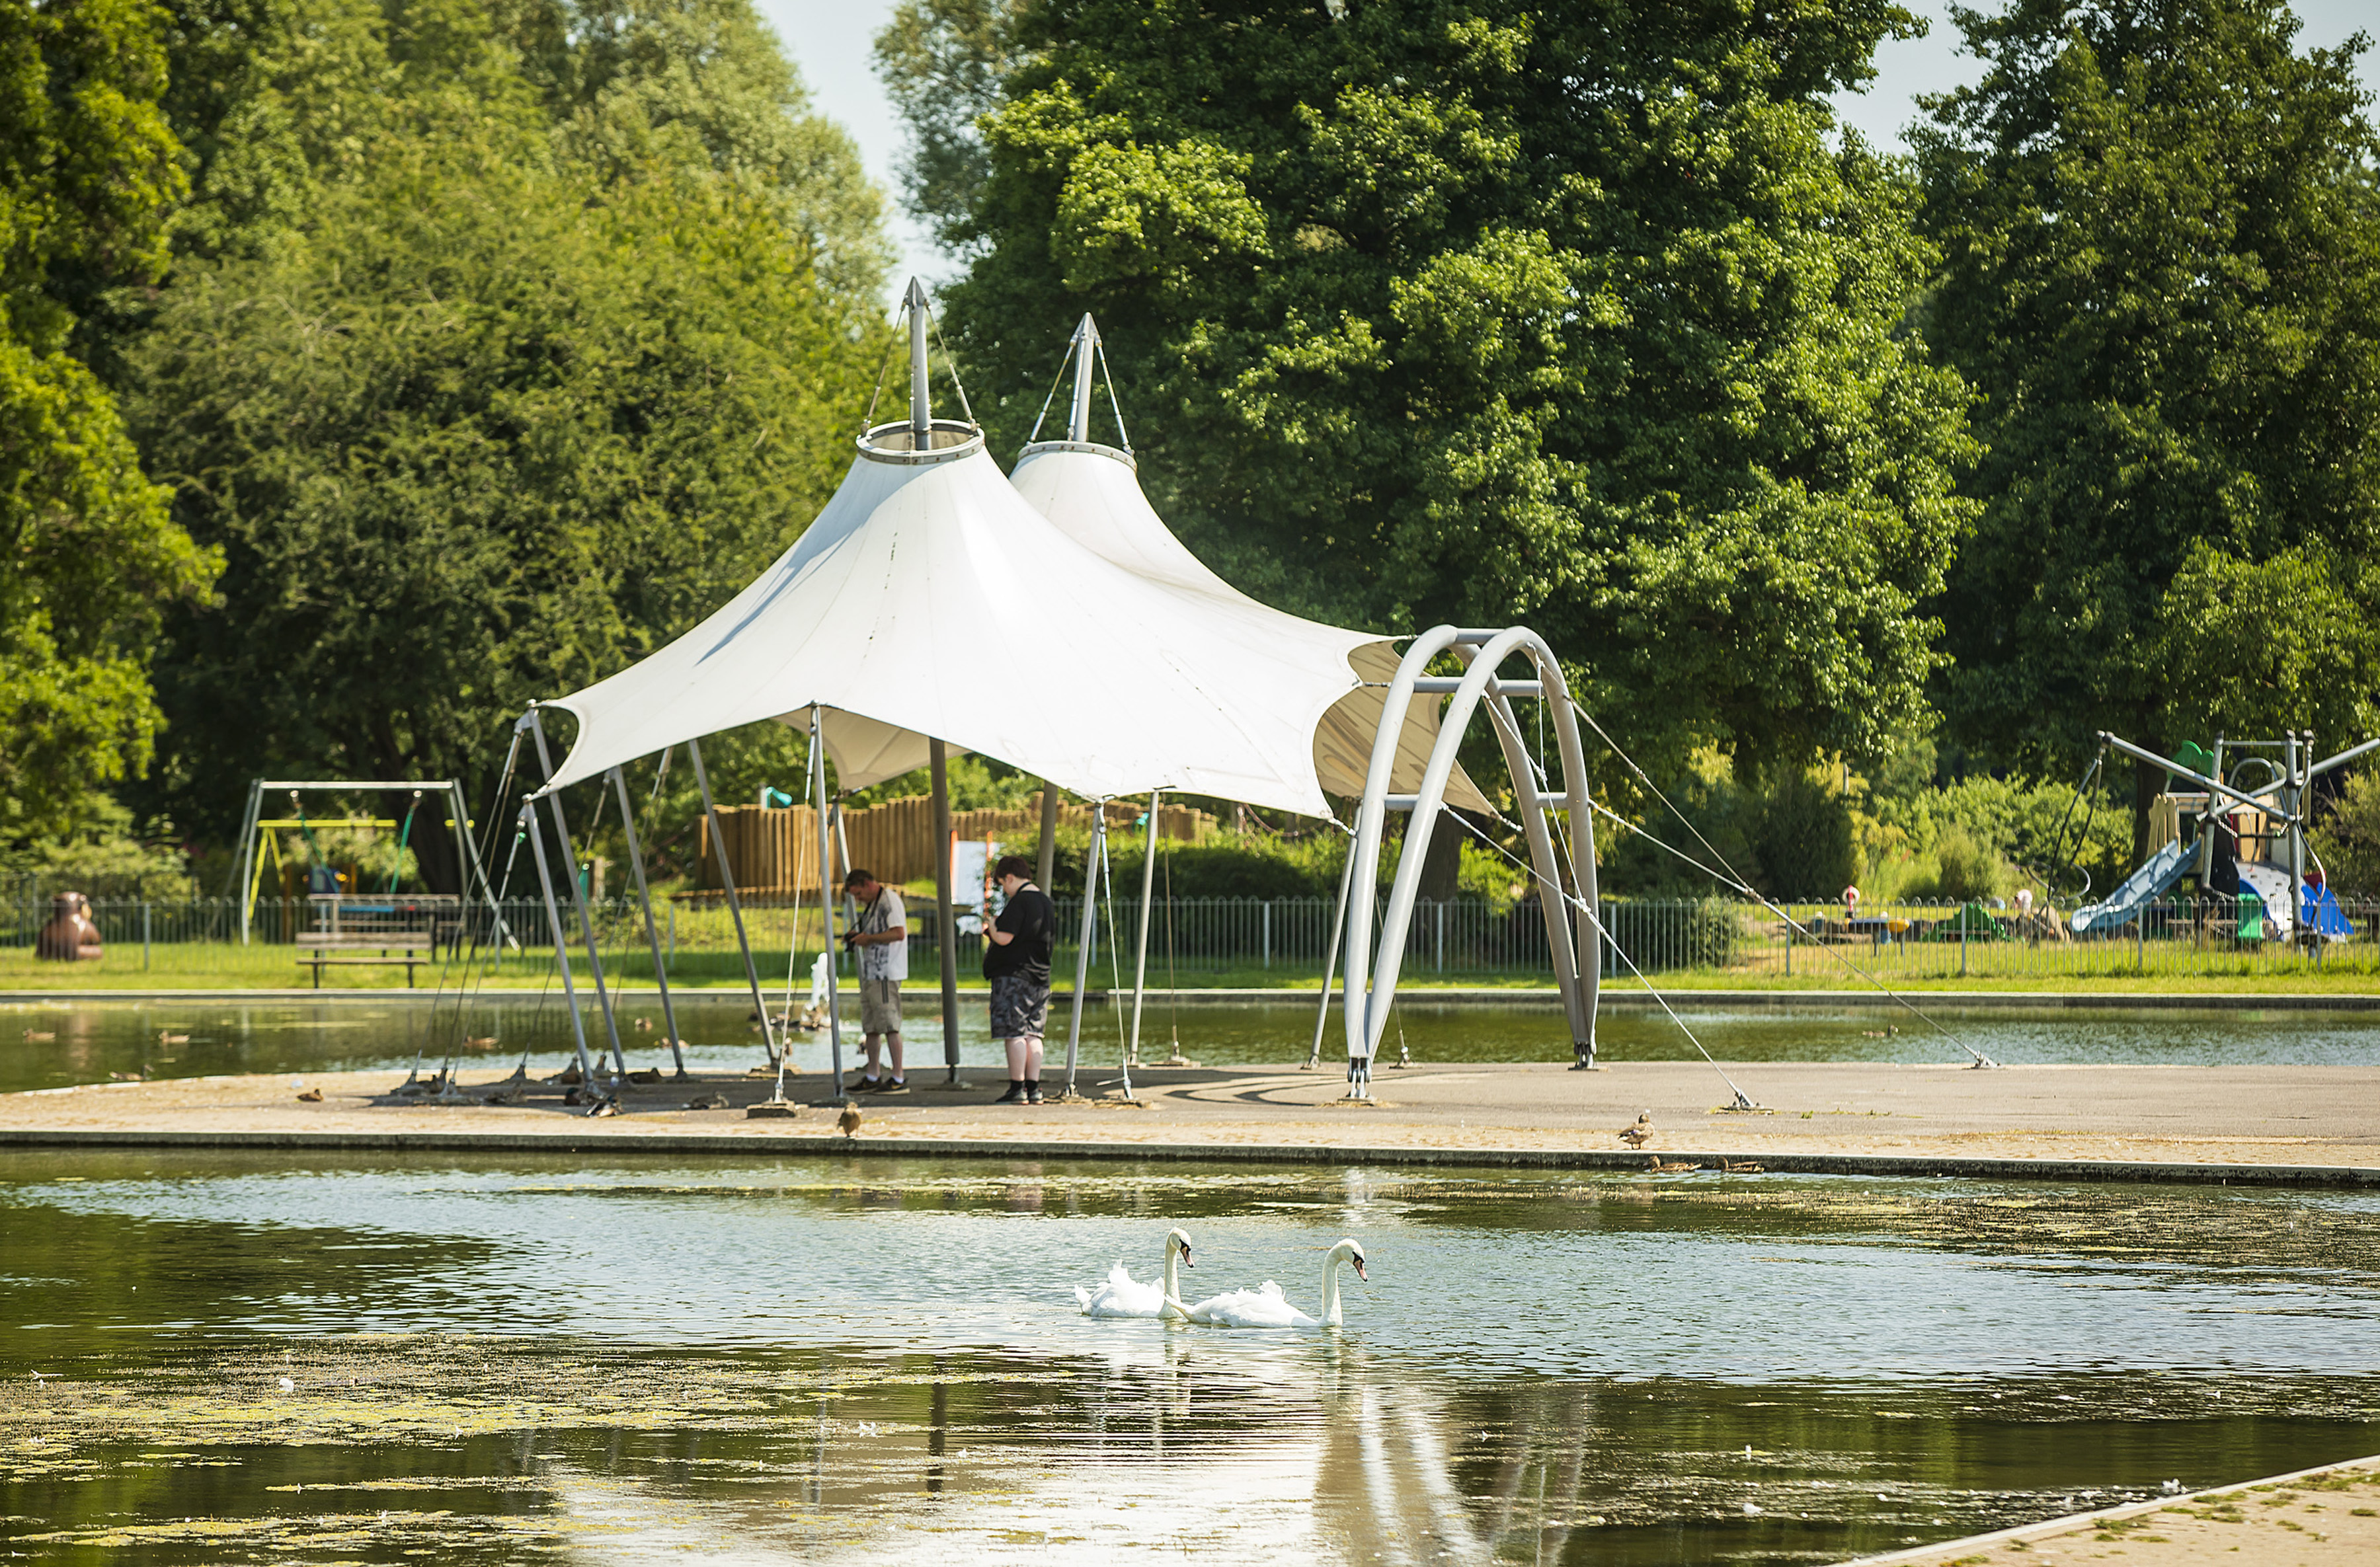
pixel 89 1041
pixel 384 1358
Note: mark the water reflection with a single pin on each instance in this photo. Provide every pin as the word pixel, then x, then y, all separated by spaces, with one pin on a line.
pixel 806 1360
pixel 97 1040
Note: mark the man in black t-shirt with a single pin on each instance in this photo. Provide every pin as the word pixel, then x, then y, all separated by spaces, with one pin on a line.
pixel 1016 960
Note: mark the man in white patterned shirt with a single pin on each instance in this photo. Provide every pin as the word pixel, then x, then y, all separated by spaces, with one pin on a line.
pixel 880 938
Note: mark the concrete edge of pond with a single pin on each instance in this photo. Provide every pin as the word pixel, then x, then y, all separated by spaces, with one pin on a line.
pixel 2071 1522
pixel 1473 996
pixel 824 1142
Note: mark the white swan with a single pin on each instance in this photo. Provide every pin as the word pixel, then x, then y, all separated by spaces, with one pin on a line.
pixel 1265 1307
pixel 1123 1296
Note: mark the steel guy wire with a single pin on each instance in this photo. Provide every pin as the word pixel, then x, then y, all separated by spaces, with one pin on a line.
pixel 1742 1101
pixel 1729 877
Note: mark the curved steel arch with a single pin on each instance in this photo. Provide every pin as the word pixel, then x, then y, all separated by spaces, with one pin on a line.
pixel 1566 880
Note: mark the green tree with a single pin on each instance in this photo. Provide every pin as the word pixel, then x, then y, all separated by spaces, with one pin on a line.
pixel 702 84
pixel 2161 234
pixel 943 61
pixel 2254 648
pixel 480 434
pixel 502 344
pixel 1570 316
pixel 88 554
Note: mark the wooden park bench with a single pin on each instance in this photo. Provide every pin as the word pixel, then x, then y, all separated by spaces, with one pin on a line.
pixel 352 931
pixel 322 949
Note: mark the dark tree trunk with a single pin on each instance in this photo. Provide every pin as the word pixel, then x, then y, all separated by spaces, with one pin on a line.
pixel 1441 872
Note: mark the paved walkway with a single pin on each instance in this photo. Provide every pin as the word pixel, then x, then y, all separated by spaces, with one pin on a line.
pixel 2326 1517
pixel 2283 1123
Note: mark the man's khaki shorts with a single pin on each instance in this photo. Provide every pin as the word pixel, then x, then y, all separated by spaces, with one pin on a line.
pixel 879 1006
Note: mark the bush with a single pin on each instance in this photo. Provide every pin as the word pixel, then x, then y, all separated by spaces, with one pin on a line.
pixel 2346 837
pixel 1967 868
pixel 1802 838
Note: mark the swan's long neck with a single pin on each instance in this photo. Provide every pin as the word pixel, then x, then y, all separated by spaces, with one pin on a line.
pixel 1330 1314
pixel 1172 1271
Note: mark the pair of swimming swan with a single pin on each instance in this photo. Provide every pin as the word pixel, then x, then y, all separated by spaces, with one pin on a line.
pixel 1264 1306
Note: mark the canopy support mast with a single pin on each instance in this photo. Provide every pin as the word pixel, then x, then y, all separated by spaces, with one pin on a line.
pixel 1045 864
pixel 1140 962
pixel 735 908
pixel 653 936
pixel 826 913
pixel 921 417
pixel 1087 349
pixel 1330 958
pixel 946 947
pixel 578 892
pixel 560 945
pixel 1090 934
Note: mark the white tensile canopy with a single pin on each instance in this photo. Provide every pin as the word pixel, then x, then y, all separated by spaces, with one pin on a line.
pixel 1093 494
pixel 1055 624
pixel 929 599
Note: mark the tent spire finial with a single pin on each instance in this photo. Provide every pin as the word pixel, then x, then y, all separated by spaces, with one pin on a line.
pixel 921 420
pixel 1087 349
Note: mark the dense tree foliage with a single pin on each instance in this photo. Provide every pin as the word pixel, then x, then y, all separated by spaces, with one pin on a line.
pixel 942 61
pixel 88 554
pixel 497 354
pixel 1572 316
pixel 2162 239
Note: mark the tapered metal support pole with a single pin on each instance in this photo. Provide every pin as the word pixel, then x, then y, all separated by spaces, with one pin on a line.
pixel 2301 758
pixel 946 946
pixel 652 935
pixel 842 858
pixel 578 896
pixel 734 909
pixel 922 417
pixel 1045 864
pixel 561 944
pixel 1330 958
pixel 1090 934
pixel 826 916
pixel 1140 959
pixel 1086 348
pixel 470 839
pixel 245 888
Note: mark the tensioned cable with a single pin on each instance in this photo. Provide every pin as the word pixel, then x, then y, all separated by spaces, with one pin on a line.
pixel 1122 438
pixel 882 364
pixel 1981 1059
pixel 2091 808
pixel 483 969
pixel 934 324
pixel 1054 382
pixel 1732 879
pixel 1742 1102
pixel 1115 942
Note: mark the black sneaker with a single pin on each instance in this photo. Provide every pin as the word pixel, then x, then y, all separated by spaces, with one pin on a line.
pixel 1032 1093
pixel 1015 1095
pixel 886 1085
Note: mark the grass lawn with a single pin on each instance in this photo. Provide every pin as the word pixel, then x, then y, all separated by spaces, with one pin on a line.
pixel 228 966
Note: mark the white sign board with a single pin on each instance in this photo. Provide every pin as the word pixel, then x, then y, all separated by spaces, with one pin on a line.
pixel 970 871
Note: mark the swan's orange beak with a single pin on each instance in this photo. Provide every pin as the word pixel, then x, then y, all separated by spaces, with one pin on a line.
pixel 1185 1259
pixel 1359 1268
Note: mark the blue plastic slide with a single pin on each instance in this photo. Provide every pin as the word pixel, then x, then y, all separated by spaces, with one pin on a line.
pixel 2121 906
pixel 2323 916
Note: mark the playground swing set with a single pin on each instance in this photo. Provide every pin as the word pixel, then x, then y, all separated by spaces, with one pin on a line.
pixel 349 925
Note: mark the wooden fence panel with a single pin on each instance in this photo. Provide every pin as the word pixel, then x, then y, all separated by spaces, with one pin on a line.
pixel 774 849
